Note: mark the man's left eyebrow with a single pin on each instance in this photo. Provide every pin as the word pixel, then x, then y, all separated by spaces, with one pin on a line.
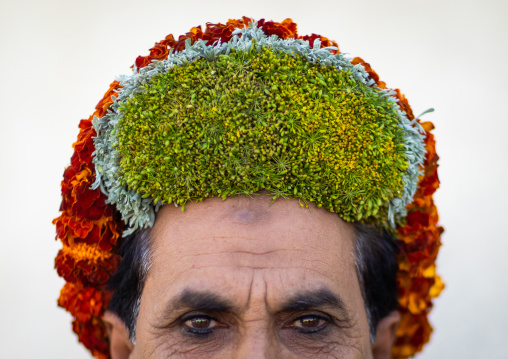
pixel 314 299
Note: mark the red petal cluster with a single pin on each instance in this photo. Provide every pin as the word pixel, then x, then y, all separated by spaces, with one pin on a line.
pixel 223 32
pixel 90 229
pixel 372 74
pixel 87 305
pixel 284 30
pixel 419 241
pixel 86 264
pixel 325 42
pixel 83 303
pixel 93 335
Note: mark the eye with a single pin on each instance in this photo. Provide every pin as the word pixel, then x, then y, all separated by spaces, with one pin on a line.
pixel 310 324
pixel 199 324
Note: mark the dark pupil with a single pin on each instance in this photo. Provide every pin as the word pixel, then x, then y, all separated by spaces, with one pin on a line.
pixel 201 323
pixel 309 322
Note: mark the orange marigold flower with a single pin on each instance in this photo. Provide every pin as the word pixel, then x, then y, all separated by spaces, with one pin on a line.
pixel 373 75
pixel 86 263
pixel 74 229
pixel 90 203
pixel 142 61
pixel 404 104
pixel 224 33
pixel 169 41
pixel 437 288
pixel 194 34
pixel 285 29
pixel 106 100
pixel 414 331
pixel 77 196
pixel 418 296
pixel 93 335
pixel 159 52
pixel 84 147
pixel 430 184
pixel 83 303
pixel 110 233
pixel 71 227
pixel 325 42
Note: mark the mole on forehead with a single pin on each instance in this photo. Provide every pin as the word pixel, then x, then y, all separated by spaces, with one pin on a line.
pixel 245 215
pixel 253 210
pixel 249 210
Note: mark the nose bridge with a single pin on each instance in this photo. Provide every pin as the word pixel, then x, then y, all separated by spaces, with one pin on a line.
pixel 258 342
pixel 258 339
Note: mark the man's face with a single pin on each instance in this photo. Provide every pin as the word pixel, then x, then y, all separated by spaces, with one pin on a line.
pixel 241 278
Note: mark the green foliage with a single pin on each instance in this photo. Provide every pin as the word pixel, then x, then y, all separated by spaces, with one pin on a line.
pixel 250 121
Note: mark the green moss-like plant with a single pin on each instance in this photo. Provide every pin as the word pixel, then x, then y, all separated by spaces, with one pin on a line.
pixel 250 121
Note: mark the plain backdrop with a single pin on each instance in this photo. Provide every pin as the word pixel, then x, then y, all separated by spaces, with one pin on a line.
pixel 59 57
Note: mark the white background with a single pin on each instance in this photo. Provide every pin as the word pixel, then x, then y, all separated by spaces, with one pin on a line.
pixel 57 58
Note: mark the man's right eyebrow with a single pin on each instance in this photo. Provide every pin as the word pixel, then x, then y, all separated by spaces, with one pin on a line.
pixel 193 300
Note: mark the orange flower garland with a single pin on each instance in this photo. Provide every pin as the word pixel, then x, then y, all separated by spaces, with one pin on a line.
pixel 90 230
pixel 419 241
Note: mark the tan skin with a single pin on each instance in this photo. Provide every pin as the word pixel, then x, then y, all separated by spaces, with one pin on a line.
pixel 241 278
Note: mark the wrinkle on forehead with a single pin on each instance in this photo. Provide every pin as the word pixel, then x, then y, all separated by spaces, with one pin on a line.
pixel 250 232
pixel 251 211
pixel 255 219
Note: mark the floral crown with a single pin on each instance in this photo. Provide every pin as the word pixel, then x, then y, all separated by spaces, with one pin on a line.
pixel 235 109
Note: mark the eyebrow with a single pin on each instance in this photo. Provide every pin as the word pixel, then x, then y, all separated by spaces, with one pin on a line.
pixel 314 299
pixel 199 300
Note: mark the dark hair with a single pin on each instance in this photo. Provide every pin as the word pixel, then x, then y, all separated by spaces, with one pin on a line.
pixel 376 268
pixel 129 279
pixel 375 261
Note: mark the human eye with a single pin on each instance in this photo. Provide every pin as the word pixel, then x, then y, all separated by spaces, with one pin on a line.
pixel 310 323
pixel 199 325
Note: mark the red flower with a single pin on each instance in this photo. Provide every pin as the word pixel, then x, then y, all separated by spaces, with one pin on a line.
pixel 372 74
pixel 75 228
pixel 84 147
pixel 78 196
pixel 82 303
pixel 224 33
pixel 86 264
pixel 159 52
pixel 325 42
pixel 169 41
pixel 93 335
pixel 106 100
pixel 413 332
pixel 142 61
pixel 284 30
pixel 404 105
pixel 416 219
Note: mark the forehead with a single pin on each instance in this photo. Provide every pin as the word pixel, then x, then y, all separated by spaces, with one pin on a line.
pixel 218 244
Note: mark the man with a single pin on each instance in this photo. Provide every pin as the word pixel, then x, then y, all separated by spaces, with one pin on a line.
pixel 274 196
pixel 241 278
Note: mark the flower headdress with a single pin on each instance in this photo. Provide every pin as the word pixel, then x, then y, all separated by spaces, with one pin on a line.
pixel 235 109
